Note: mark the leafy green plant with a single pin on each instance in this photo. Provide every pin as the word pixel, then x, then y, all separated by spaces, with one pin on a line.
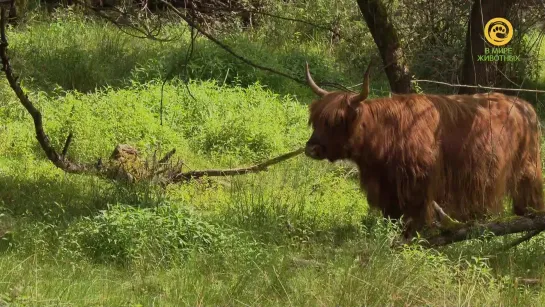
pixel 122 234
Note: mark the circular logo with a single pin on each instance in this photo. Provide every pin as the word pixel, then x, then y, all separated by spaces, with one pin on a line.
pixel 498 31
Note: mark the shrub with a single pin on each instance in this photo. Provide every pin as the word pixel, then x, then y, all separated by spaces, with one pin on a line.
pixel 123 234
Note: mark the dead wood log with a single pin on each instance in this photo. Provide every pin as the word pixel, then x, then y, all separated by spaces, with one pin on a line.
pixel 447 230
pixel 534 224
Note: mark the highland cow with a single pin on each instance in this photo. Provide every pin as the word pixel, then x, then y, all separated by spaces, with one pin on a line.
pixel 466 152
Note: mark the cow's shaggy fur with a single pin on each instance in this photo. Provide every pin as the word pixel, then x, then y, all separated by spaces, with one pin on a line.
pixel 466 152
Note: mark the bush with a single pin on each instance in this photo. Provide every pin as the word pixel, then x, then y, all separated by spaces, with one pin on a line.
pixel 123 234
pixel 229 125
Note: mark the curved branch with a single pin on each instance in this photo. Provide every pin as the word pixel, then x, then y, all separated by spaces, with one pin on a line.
pixel 58 159
pixel 527 237
pixel 111 170
pixel 145 33
pixel 241 58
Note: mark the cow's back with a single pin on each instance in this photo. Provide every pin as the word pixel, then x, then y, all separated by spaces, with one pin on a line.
pixel 482 150
pixel 467 148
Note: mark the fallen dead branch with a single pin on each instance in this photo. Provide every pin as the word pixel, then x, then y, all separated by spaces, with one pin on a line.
pixel 533 224
pixel 236 171
pixel 448 230
pixel 527 237
pixel 125 164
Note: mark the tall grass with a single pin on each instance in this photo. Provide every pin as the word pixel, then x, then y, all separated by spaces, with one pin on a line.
pixel 78 53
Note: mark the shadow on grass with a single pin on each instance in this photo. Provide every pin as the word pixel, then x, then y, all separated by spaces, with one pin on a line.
pixel 61 198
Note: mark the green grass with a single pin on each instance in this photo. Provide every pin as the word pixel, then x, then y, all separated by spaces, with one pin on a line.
pixel 375 277
pixel 75 53
pixel 300 234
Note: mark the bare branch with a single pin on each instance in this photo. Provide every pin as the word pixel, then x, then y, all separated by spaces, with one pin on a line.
pixel 146 33
pixel 241 58
pixel 67 144
pixel 236 171
pixel 167 156
pixel 42 137
pixel 241 10
pixel 122 153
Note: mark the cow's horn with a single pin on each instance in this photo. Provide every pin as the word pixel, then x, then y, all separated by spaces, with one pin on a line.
pixel 365 88
pixel 315 88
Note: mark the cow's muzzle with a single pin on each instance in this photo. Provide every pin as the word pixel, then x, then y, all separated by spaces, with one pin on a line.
pixel 314 152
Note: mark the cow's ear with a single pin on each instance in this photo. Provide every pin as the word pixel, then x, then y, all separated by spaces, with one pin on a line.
pixel 356 100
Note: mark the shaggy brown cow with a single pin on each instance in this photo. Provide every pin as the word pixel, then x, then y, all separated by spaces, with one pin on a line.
pixel 466 152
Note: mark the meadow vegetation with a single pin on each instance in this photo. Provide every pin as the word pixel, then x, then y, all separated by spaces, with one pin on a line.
pixel 300 234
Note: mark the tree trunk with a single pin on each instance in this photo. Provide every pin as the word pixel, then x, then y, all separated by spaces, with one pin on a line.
pixel 12 14
pixel 387 41
pixel 474 72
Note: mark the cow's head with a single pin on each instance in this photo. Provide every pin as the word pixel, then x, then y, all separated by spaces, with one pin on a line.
pixel 332 118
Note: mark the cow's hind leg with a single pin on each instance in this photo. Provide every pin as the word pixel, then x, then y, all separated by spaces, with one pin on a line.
pixel 420 214
pixel 528 191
